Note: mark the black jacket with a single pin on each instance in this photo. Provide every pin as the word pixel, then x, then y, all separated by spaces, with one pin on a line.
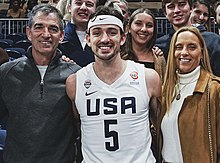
pixel 211 39
pixel 40 126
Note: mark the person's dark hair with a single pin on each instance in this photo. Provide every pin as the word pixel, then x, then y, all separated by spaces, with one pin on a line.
pixel 130 53
pixel 217 3
pixel 204 2
pixel 46 9
pixel 31 4
pixel 104 10
pixel 11 3
pixel 164 2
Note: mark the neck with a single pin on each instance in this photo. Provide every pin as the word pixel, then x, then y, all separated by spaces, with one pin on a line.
pixel 142 53
pixel 41 59
pixel 178 27
pixel 110 71
pixel 80 26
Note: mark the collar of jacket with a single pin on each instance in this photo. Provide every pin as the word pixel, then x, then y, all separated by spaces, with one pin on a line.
pixel 202 81
pixel 54 60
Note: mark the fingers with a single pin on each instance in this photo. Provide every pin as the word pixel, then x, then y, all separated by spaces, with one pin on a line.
pixel 157 51
pixel 67 59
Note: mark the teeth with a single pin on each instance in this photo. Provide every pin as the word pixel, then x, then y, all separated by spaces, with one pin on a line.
pixel 142 34
pixel 45 42
pixel 104 47
pixel 184 60
pixel 82 14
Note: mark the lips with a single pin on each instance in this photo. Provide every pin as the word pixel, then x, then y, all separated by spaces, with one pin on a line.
pixel 178 17
pixel 83 15
pixel 45 43
pixel 142 35
pixel 105 47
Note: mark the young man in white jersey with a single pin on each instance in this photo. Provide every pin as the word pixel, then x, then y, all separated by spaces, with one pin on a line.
pixel 112 97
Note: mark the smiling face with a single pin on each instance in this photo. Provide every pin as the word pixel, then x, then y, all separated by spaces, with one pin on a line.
pixel 188 52
pixel 45 34
pixel 142 28
pixel 178 13
pixel 105 41
pixel 81 10
pixel 200 14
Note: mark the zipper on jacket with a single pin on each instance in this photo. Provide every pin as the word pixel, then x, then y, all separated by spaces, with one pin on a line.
pixel 41 88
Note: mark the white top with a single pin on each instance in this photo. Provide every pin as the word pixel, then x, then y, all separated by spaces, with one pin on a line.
pixel 42 70
pixel 82 38
pixel 114 118
pixel 171 150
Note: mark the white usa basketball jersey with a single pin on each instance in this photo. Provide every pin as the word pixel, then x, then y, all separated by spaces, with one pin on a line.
pixel 114 118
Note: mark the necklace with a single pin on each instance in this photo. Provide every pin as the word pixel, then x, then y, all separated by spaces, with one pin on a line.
pixel 178 96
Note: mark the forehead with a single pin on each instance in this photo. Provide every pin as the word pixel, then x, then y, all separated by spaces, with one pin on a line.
pixel 43 18
pixel 188 37
pixel 92 1
pixel 202 7
pixel 105 27
pixel 174 1
pixel 218 8
pixel 144 16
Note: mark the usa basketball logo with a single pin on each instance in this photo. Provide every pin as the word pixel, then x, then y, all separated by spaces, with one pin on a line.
pixel 87 83
pixel 134 75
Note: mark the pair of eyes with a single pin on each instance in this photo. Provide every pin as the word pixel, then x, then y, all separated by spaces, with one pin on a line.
pixel 199 12
pixel 180 4
pixel 148 25
pixel 190 47
pixel 99 33
pixel 110 32
pixel 51 29
pixel 88 4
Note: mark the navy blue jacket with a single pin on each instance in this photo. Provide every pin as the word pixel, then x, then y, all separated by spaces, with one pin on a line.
pixel 73 48
pixel 212 41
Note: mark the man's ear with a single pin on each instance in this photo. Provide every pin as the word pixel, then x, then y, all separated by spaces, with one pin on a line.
pixel 165 13
pixel 28 33
pixel 88 40
pixel 61 36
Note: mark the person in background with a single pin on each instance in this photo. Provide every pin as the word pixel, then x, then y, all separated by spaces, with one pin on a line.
pixel 123 5
pixel 111 97
pixel 141 37
pixel 63 6
pixel 3 56
pixel 200 15
pixel 217 14
pixel 28 6
pixel 178 14
pixel 75 31
pixel 190 114
pixel 16 11
pixel 40 126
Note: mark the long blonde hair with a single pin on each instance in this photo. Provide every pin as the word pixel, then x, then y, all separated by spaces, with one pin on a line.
pixel 171 76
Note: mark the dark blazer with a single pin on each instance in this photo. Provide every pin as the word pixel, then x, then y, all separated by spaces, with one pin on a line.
pixel 73 48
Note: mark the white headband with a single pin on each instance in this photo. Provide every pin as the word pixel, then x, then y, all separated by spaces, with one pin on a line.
pixel 105 20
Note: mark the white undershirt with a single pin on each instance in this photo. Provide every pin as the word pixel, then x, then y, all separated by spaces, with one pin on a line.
pixel 82 37
pixel 42 70
pixel 171 150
